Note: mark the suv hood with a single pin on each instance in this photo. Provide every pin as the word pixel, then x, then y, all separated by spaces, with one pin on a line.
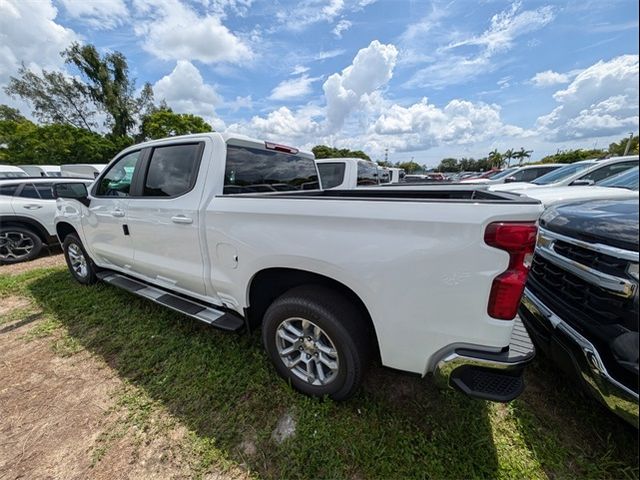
pixel 553 196
pixel 611 222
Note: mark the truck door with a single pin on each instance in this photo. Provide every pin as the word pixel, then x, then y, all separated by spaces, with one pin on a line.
pixel 163 218
pixel 105 226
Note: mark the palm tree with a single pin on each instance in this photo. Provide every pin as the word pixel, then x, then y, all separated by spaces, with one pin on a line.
pixel 522 154
pixel 508 155
pixel 495 157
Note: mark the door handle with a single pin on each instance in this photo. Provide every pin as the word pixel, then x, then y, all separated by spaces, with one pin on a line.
pixel 117 213
pixel 32 206
pixel 181 219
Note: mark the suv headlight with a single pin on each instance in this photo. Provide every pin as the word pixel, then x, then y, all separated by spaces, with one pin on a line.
pixel 632 270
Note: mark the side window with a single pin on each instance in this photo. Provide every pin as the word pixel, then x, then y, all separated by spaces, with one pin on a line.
pixel 518 176
pixel 367 174
pixel 44 190
pixel 29 191
pixel 608 171
pixel 9 190
pixel 172 170
pixel 331 174
pixel 251 170
pixel 117 181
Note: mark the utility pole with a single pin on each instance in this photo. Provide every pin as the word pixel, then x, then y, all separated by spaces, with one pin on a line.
pixel 626 149
pixel 386 154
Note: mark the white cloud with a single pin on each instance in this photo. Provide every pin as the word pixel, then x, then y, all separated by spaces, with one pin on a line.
pixel 602 100
pixel 173 31
pixel 371 69
pixel 549 78
pixel 309 12
pixel 326 54
pixel 293 88
pixel 299 69
pixel 186 92
pixel 341 27
pixel 283 125
pixel 458 57
pixel 30 34
pixel 99 14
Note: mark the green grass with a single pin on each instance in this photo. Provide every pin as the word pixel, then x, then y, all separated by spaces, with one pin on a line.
pixel 222 388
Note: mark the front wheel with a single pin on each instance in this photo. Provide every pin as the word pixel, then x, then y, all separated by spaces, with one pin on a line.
pixel 79 263
pixel 318 341
pixel 18 244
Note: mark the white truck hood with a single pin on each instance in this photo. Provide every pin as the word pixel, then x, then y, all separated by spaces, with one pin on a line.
pixel 515 186
pixel 554 196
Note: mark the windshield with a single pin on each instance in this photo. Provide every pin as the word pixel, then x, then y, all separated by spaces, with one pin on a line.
pixel 562 173
pixel 504 173
pixel 627 179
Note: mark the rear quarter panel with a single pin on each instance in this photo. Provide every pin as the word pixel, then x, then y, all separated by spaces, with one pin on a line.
pixel 421 268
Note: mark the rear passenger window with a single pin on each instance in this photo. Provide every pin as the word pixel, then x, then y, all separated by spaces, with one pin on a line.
pixel 9 190
pixel 44 190
pixel 331 174
pixel 251 170
pixel 367 173
pixel 29 191
pixel 608 171
pixel 172 170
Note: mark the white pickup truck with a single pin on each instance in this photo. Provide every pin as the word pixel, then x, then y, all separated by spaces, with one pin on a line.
pixel 427 280
pixel 345 173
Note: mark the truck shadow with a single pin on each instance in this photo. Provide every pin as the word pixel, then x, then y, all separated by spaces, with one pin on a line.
pixel 222 388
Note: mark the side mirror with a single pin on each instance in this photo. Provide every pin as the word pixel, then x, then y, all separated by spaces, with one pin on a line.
pixel 510 180
pixel 75 191
pixel 582 183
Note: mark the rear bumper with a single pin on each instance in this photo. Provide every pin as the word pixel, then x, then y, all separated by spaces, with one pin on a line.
pixel 495 376
pixel 576 353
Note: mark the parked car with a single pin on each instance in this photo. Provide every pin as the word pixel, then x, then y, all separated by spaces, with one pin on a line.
pixel 527 173
pixel 81 170
pixel 621 186
pixel 346 173
pixel 384 175
pixel 27 209
pixel 9 171
pixel 431 177
pixel 581 300
pixel 586 172
pixel 396 175
pixel 488 174
pixel 42 170
pixel 306 266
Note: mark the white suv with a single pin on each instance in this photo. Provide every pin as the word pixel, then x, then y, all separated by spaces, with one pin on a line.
pixel 27 210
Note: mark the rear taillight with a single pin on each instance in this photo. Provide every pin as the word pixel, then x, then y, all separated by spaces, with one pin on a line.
pixel 519 241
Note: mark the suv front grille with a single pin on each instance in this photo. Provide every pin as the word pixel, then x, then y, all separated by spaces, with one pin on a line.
pixel 592 259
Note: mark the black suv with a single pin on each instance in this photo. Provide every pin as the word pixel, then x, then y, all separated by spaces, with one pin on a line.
pixel 581 301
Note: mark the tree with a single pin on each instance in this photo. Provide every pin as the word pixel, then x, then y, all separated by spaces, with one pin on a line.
pixel 164 123
pixel 508 155
pixel 323 151
pixel 570 156
pixel 448 165
pixel 107 82
pixel 10 114
pixel 522 154
pixel 495 157
pixel 409 167
pixel 55 97
pixel 618 148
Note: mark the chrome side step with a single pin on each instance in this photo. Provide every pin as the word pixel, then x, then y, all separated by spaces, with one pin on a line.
pixel 208 314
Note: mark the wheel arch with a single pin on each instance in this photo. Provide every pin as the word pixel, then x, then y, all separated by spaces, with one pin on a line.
pixel 31 224
pixel 63 229
pixel 268 284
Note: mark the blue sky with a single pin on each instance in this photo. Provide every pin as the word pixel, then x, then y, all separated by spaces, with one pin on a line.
pixel 423 79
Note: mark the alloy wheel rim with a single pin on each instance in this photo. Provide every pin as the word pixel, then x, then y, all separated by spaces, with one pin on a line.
pixel 77 260
pixel 15 245
pixel 307 351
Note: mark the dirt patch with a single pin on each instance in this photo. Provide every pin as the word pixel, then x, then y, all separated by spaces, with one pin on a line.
pixel 63 417
pixel 11 303
pixel 46 261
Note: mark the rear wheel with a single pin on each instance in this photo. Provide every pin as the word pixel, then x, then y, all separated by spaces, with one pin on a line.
pixel 318 341
pixel 18 244
pixel 80 265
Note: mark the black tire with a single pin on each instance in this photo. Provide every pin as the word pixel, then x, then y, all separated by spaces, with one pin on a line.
pixel 342 323
pixel 14 240
pixel 71 246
